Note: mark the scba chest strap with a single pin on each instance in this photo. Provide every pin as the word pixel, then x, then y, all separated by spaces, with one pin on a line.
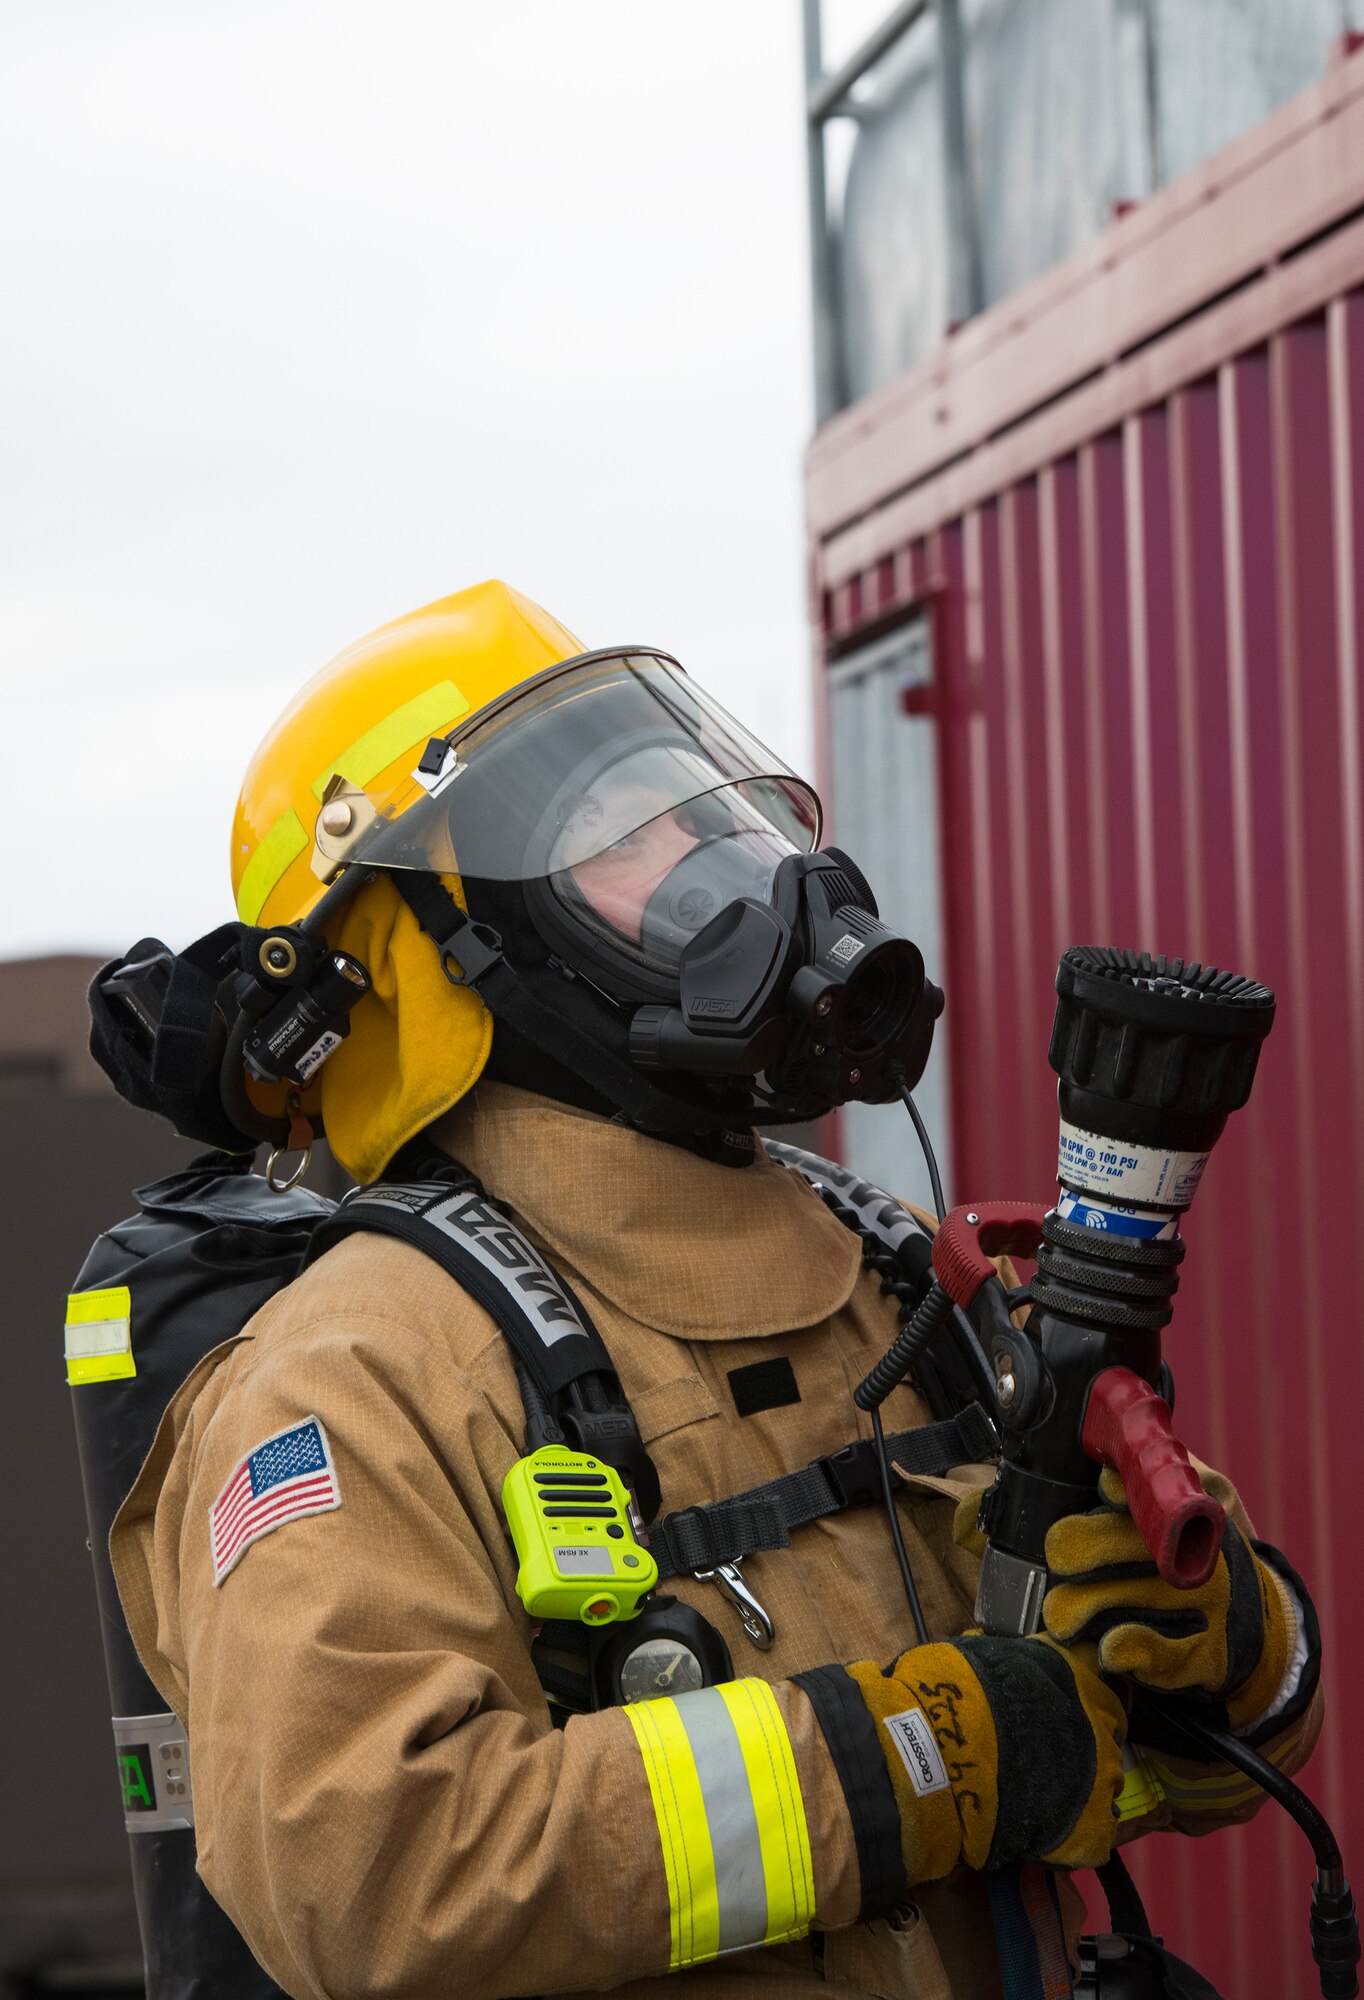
pixel 702 1538
pixel 444 1212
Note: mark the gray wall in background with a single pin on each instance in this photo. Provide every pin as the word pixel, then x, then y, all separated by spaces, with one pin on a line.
pixel 70 1156
pixel 885 780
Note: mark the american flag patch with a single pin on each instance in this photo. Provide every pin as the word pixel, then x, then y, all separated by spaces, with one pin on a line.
pixel 290 1475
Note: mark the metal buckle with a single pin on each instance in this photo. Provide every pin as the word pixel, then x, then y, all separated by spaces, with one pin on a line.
pixel 752 1615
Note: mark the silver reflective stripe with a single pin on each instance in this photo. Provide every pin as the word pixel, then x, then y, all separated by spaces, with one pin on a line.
pixel 733 1838
pixel 740 1883
pixel 504 1252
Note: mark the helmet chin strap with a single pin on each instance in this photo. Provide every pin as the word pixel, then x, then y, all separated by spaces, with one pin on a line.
pixel 471 954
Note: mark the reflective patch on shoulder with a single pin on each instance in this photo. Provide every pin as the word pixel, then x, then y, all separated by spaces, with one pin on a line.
pixel 288 1475
pixel 99 1336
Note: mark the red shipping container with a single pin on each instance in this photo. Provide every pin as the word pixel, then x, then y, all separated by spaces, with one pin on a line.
pixel 1129 502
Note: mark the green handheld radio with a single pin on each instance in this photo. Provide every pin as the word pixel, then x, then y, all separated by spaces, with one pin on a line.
pixel 569 1517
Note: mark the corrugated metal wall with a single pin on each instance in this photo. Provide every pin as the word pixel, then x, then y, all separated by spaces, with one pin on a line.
pixel 1147 603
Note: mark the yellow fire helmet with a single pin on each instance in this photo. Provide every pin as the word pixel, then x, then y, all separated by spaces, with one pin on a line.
pixel 345 745
pixel 466 808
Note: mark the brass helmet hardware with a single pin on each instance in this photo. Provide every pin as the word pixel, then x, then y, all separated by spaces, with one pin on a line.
pixel 278 958
pixel 346 817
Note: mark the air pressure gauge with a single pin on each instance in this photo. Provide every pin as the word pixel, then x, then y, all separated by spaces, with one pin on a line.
pixel 669 1649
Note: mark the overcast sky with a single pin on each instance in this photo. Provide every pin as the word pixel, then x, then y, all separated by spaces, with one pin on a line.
pixel 314 313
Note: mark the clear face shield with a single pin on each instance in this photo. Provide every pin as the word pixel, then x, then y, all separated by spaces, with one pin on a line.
pixel 614 787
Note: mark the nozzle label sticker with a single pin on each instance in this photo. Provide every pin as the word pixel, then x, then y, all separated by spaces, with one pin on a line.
pixel 1088 1212
pixel 912 1735
pixel 1126 1172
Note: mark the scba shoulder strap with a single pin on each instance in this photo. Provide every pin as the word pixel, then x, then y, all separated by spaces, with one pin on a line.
pixel 568 1385
pixel 704 1538
pixel 953 1373
pixel 443 1211
pixel 451 1220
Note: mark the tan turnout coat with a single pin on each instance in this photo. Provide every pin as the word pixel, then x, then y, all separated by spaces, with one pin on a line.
pixel 383 1805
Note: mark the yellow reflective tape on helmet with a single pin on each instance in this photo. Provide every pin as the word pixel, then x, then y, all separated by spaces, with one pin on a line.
pixel 424 716
pixel 280 848
pixel 99 1336
pixel 731 1821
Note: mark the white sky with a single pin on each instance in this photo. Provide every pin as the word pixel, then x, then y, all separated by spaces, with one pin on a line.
pixel 315 312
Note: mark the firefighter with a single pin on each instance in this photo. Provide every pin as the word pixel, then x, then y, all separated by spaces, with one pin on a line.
pixel 316 1563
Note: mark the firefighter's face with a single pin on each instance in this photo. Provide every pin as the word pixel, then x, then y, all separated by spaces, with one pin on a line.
pixel 619 881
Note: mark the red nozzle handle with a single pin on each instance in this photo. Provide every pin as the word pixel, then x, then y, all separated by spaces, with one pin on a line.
pixel 1127 1425
pixel 972 1235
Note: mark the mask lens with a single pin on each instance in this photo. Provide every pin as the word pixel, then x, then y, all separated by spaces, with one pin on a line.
pixel 654 889
pixel 620 883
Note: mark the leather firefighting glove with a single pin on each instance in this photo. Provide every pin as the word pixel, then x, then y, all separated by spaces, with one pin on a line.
pixel 1229 1640
pixel 999 1750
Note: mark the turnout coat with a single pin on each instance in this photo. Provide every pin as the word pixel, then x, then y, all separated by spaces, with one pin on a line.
pixel 384 1805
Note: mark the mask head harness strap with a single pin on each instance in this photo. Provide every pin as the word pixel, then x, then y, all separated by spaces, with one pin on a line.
pixel 471 955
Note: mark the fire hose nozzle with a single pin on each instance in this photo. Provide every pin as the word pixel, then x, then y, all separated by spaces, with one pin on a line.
pixel 1127 1425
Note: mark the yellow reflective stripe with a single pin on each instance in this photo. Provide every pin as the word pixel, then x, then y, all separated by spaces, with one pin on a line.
pixel 1141 1791
pixel 688 1858
pixel 731 1821
pixel 99 1368
pixel 1220 1789
pixel 426 715
pixel 280 848
pixel 783 1834
pixel 99 1344
pixel 85 1308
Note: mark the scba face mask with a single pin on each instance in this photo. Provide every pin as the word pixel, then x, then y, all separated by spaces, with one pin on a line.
pixel 670 861
pixel 803 987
